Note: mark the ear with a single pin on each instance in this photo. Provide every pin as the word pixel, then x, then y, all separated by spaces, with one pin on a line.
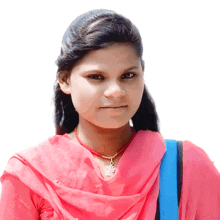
pixel 143 65
pixel 64 82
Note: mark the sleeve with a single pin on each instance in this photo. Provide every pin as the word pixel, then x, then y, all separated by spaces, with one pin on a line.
pixel 200 195
pixel 16 201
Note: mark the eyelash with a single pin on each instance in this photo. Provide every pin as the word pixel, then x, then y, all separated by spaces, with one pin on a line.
pixel 96 75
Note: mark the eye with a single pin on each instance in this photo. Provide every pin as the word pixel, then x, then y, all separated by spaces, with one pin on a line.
pixel 100 77
pixel 129 75
pixel 96 77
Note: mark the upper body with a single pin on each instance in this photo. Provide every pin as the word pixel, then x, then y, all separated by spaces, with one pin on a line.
pixel 60 179
pixel 99 90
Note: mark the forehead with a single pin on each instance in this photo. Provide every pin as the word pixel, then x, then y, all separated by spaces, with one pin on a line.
pixel 115 54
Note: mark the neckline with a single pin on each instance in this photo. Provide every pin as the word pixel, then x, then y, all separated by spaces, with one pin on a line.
pixel 121 150
pixel 95 164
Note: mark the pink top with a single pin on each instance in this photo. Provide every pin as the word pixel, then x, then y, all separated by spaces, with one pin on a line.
pixel 61 180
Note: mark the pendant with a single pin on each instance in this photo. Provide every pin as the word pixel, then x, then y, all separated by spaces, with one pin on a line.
pixel 110 170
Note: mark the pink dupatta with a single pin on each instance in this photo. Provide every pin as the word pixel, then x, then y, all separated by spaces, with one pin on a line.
pixel 67 176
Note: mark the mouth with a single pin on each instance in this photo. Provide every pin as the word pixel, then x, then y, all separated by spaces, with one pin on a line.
pixel 124 106
pixel 115 111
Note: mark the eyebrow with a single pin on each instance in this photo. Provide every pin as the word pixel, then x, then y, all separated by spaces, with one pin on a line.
pixel 101 71
pixel 133 67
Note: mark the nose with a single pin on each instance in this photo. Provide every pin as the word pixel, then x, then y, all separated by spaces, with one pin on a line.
pixel 114 90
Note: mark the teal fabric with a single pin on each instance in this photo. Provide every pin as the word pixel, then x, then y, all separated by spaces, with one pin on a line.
pixel 168 194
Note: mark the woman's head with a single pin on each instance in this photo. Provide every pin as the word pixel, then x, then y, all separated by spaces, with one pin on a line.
pixel 102 80
pixel 90 32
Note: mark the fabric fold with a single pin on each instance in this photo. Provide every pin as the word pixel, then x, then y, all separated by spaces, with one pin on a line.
pixel 63 173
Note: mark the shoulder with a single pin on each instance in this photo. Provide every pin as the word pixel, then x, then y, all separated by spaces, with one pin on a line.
pixel 47 146
pixel 194 155
pixel 44 155
pixel 197 166
pixel 149 136
pixel 150 143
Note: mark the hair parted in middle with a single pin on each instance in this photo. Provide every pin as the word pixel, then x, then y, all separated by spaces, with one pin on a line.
pixel 95 30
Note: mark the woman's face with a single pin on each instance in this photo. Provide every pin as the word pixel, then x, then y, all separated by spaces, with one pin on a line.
pixel 103 79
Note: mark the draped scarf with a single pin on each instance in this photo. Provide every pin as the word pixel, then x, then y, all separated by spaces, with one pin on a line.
pixel 67 176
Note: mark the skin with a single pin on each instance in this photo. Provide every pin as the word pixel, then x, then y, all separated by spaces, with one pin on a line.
pixel 108 76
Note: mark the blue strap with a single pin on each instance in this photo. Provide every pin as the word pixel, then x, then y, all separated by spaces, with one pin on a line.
pixel 168 183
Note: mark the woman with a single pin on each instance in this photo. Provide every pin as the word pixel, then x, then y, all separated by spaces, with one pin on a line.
pixel 98 166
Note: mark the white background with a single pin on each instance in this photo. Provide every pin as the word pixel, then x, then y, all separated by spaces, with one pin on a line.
pixel 182 67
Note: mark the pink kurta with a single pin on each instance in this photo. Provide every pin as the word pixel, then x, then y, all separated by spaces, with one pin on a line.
pixel 61 180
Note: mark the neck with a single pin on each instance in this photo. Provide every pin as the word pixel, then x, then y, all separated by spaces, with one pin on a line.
pixel 105 141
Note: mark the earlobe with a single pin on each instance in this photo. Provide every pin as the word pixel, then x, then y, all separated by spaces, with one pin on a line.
pixel 64 82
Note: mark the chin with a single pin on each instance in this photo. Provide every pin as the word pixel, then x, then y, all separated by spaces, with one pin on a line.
pixel 111 125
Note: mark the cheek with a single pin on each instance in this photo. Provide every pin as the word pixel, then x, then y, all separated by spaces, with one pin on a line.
pixel 136 94
pixel 84 98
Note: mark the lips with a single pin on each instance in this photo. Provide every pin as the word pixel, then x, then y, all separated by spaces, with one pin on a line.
pixel 115 106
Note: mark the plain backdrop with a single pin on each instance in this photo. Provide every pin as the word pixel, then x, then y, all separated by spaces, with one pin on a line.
pixel 182 67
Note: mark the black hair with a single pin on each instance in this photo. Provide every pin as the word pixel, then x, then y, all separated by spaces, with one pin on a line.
pixel 94 30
